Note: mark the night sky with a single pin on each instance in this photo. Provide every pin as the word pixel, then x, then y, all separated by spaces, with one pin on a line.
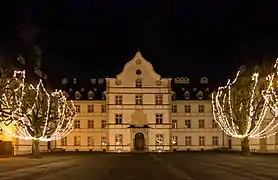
pixel 180 38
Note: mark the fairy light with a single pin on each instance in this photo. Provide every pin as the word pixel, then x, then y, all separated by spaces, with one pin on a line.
pixel 17 109
pixel 256 125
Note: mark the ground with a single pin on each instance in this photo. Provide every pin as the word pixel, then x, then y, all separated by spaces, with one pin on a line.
pixel 176 166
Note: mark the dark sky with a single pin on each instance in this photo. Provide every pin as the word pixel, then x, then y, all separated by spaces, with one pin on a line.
pixel 180 38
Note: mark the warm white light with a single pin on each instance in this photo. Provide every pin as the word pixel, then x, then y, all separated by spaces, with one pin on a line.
pixel 17 111
pixel 256 124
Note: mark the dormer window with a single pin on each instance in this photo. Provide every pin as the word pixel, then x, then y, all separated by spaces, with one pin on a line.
pixel 78 95
pixel 204 80
pixel 93 81
pixel 74 80
pixel 100 81
pixel 64 81
pixel 82 89
pixel 91 95
pixel 194 89
pixel 70 90
pixel 138 83
pixel 200 95
pixel 187 95
pixel 174 96
pixel 103 95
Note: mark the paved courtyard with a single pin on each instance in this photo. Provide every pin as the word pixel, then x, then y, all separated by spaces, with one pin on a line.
pixel 177 166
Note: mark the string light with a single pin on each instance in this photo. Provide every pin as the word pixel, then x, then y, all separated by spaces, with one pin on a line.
pixel 228 115
pixel 31 113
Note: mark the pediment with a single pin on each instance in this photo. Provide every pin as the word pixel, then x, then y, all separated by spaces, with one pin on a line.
pixel 138 118
pixel 136 66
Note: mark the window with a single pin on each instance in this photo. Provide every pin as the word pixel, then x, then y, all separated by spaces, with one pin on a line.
pixel 188 140
pixel 64 141
pixel 186 95
pixel 214 124
pixel 215 140
pixel 159 139
pixel 138 99
pixel 90 108
pixel 174 124
pixel 174 109
pixel 103 141
pixel 187 123
pixel 119 100
pixel 118 118
pixel 200 95
pixel 90 140
pixel 100 81
pixel 91 95
pixel 90 124
pixel 138 83
pixel 77 95
pixel 103 108
pixel 175 140
pixel 76 140
pixel 77 108
pixel 158 100
pixel 159 118
pixel 201 108
pixel 201 123
pixel 103 124
pixel 76 124
pixel 119 139
pixel 201 140
pixel 187 108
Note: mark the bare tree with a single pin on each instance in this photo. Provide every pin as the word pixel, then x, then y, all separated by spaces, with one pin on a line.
pixel 242 108
pixel 38 115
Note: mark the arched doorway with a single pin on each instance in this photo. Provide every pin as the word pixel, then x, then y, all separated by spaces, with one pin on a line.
pixel 139 141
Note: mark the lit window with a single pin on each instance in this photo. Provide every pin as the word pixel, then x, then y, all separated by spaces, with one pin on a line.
pixel 78 95
pixel 100 81
pixel 159 139
pixel 103 141
pixel 119 139
pixel 175 140
pixel 91 95
pixel 90 141
pixel 93 81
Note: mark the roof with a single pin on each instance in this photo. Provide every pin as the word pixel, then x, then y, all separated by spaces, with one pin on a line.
pixel 183 88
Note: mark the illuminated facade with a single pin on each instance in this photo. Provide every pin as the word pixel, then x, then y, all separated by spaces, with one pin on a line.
pixel 140 111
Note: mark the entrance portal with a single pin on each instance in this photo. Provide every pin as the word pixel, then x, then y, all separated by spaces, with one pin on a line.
pixel 139 141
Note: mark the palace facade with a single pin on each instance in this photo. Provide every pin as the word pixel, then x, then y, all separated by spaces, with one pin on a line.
pixel 138 110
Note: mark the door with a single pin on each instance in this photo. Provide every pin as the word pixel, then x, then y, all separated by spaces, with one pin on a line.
pixel 139 141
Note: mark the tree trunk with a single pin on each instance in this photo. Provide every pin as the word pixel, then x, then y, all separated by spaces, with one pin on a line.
pixel 36 149
pixel 245 149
